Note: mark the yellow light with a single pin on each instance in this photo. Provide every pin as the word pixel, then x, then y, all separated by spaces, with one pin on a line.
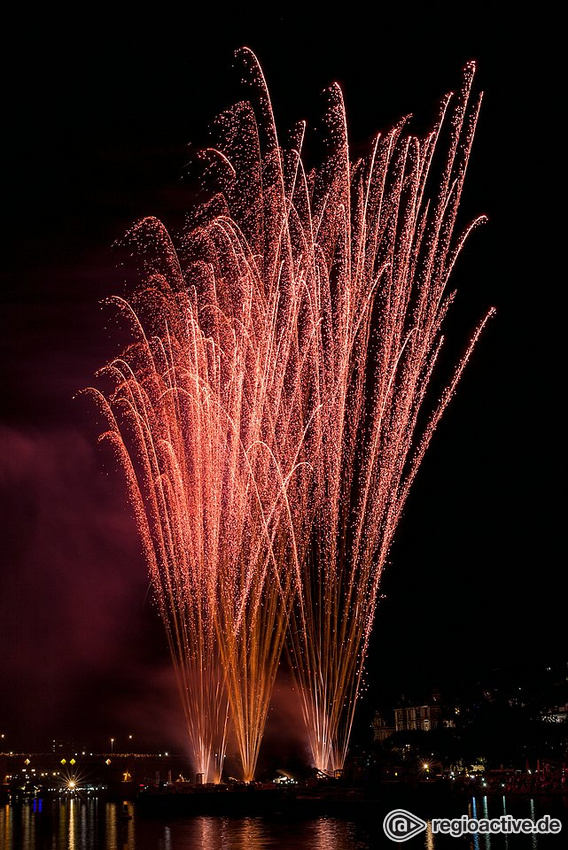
pixel 71 784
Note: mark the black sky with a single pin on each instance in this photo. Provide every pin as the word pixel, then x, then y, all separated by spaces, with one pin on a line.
pixel 97 122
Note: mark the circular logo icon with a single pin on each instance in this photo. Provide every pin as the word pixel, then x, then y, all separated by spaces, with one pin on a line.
pixel 400 825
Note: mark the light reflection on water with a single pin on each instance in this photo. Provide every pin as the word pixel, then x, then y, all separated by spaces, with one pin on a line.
pixel 486 807
pixel 83 825
pixel 76 824
pixel 251 833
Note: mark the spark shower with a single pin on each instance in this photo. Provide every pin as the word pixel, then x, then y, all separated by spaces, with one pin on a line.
pixel 272 409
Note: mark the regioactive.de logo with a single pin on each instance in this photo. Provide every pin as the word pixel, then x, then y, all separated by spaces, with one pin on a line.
pixel 400 825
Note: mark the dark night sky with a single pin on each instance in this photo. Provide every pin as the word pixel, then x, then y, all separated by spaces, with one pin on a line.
pixel 96 127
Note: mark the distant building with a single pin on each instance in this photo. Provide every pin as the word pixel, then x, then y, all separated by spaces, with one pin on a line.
pixel 417 717
pixel 557 714
pixel 382 729
pixel 406 718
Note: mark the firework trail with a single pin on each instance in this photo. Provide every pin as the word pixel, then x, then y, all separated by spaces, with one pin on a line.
pixel 206 418
pixel 380 233
pixel 267 412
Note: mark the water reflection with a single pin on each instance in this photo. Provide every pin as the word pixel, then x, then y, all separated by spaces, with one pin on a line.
pixel 235 834
pixel 168 839
pixel 5 826
pixel 71 832
pixel 473 814
pixel 485 814
pixel 495 807
pixel 533 818
pixel 506 837
pixel 332 834
pixel 256 833
pixel 84 824
pixel 76 824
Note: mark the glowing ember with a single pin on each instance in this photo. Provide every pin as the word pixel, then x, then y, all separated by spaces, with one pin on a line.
pixel 267 413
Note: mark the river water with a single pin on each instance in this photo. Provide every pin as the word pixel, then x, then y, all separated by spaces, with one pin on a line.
pixel 93 824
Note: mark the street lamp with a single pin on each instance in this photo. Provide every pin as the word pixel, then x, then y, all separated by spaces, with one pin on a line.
pixel 112 745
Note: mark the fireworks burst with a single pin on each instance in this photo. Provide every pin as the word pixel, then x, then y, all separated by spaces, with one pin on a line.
pixel 380 236
pixel 267 412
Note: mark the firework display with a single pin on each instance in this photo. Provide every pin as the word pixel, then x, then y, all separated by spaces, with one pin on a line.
pixel 380 233
pixel 269 412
